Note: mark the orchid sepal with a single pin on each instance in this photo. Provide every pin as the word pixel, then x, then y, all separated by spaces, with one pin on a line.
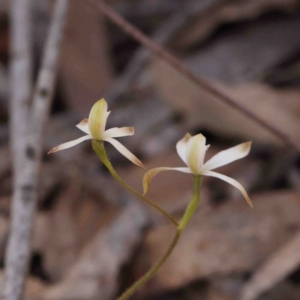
pixel 151 173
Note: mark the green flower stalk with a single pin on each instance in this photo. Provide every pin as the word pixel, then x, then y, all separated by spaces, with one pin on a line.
pixel 99 148
pixel 182 224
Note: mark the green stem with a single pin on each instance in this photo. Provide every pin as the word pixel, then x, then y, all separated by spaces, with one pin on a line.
pixel 182 224
pixel 193 203
pixel 153 270
pixel 99 148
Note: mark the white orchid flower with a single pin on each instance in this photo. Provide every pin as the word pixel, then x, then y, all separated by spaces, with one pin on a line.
pixel 94 127
pixel 192 151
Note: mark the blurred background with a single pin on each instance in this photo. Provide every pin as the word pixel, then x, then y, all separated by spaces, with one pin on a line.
pixel 92 239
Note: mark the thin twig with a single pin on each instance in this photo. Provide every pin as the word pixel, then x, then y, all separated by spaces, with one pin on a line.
pixel 25 192
pixel 180 67
pixel 165 32
pixel 98 266
pixel 277 267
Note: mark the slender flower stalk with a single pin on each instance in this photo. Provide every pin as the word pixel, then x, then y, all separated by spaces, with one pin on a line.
pixel 100 150
pixel 182 224
pixel 138 284
pixel 94 127
pixel 193 204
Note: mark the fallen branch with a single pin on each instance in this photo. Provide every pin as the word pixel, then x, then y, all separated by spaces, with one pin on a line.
pixel 99 264
pixel 180 67
pixel 142 55
pixel 165 33
pixel 20 76
pixel 25 190
pixel 281 264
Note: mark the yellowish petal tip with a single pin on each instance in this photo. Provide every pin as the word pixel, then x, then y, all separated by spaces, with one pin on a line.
pixel 145 188
pixel 246 146
pixel 131 130
pixel 140 164
pixel 251 204
pixel 53 150
pixel 137 162
pixel 249 201
pixel 102 100
pixel 200 135
pixel 100 104
pixel 83 122
pixel 185 139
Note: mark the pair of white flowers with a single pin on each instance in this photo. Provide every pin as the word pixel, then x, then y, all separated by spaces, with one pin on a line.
pixel 191 149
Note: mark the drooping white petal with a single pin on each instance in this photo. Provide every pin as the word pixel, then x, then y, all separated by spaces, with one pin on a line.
pixel 230 181
pixel 97 119
pixel 123 150
pixel 84 126
pixel 70 144
pixel 118 132
pixel 151 173
pixel 181 147
pixel 196 149
pixel 227 156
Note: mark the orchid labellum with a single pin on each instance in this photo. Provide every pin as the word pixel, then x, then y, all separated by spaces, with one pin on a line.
pixel 192 149
pixel 94 127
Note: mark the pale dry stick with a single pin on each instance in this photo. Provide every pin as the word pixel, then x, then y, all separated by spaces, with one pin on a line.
pixel 180 67
pixel 277 267
pixel 95 274
pixel 25 192
pixel 20 76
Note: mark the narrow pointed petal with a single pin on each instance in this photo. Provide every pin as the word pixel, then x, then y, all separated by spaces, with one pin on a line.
pixel 123 150
pixel 70 144
pixel 118 132
pixel 227 156
pixel 196 150
pixel 230 181
pixel 84 126
pixel 151 173
pixel 97 119
pixel 181 147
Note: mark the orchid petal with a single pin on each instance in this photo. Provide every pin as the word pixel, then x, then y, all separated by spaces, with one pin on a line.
pixel 118 132
pixel 70 144
pixel 97 119
pixel 151 173
pixel 84 126
pixel 227 156
pixel 196 149
pixel 181 147
pixel 123 150
pixel 230 181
